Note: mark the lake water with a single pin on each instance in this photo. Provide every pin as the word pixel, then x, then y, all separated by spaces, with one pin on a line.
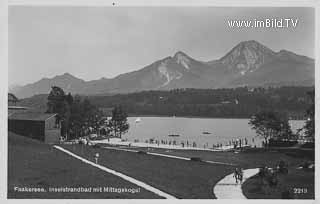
pixel 191 130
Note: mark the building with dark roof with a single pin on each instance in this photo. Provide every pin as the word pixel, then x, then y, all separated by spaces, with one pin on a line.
pixel 40 126
pixel 16 109
pixel 12 105
pixel 12 99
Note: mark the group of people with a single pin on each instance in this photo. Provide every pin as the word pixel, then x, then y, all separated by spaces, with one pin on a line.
pixel 239 143
pixel 238 175
pixel 235 143
pixel 169 142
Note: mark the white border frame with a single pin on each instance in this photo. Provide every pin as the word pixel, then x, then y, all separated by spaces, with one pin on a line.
pixel 217 3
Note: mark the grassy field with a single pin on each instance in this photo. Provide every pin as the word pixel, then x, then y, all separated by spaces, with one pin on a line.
pixel 246 159
pixel 181 178
pixel 299 182
pixel 34 164
pixel 296 181
pixel 184 179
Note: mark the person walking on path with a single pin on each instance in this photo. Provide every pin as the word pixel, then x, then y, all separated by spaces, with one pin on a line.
pixel 235 175
pixel 240 175
pixel 227 189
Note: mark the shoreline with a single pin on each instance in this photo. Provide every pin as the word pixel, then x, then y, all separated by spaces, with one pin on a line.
pixel 197 117
pixel 116 142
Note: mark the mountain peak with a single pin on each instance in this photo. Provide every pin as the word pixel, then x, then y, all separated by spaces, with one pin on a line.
pixel 180 53
pixel 67 74
pixel 181 71
pixel 103 78
pixel 286 52
pixel 247 56
pixel 288 55
pixel 254 45
pixel 250 42
pixel 182 59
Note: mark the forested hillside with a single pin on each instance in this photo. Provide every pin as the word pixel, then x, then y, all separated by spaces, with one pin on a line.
pixel 237 103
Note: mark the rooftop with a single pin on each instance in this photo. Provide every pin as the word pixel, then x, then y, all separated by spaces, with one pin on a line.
pixel 17 107
pixel 31 116
pixel 12 98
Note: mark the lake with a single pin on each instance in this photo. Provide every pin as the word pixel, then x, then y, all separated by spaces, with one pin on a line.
pixel 218 130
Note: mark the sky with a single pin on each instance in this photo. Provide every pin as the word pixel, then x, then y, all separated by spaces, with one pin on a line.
pixel 95 42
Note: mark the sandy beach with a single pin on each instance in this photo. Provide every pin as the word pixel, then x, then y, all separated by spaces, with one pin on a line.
pixel 118 142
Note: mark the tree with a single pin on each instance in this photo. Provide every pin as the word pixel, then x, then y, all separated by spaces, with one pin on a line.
pixel 76 115
pixel 66 123
pixel 270 124
pixel 118 122
pixel 84 116
pixel 309 124
pixel 57 104
pixel 69 99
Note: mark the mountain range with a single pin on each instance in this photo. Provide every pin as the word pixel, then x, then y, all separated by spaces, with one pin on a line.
pixel 247 64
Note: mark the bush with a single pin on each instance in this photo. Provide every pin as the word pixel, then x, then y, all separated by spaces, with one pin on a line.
pixel 307 165
pixel 273 180
pixel 195 159
pixel 281 143
pixel 286 194
pixel 96 146
pixel 262 172
pixel 300 153
pixel 282 167
pixel 308 145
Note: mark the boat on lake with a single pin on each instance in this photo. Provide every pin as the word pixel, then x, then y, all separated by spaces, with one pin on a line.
pixel 206 133
pixel 138 120
pixel 174 135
